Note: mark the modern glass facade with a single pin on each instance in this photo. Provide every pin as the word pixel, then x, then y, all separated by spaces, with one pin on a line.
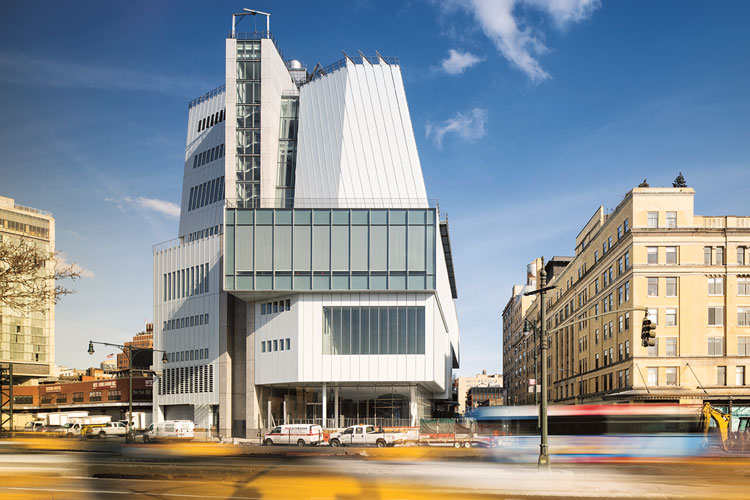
pixel 248 123
pixel 329 249
pixel 373 330
pixel 287 151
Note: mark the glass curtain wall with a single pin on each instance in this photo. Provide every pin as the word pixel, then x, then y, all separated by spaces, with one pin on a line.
pixel 248 124
pixel 373 330
pixel 287 152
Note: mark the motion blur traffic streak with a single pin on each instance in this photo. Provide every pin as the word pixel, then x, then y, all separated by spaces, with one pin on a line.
pixel 95 469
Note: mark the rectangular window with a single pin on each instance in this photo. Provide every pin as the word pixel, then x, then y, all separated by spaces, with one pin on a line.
pixel 739 378
pixel 627 260
pixel 716 286
pixel 743 286
pixel 670 376
pixel 627 320
pixel 671 219
pixel 741 256
pixel 626 225
pixel 653 350
pixel 653 315
pixel 671 317
pixel 721 375
pixel 743 346
pixel 743 316
pixel 716 346
pixel 620 324
pixel 288 344
pixel 287 304
pixel 386 330
pixel 653 255
pixel 671 287
pixel 719 256
pixel 653 287
pixel 627 291
pixel 653 219
pixel 596 256
pixel 609 243
pixel 653 376
pixel 619 232
pixel 263 346
pixel 627 348
pixel 596 336
pixel 707 256
pixel 275 345
pixel 671 255
pixel 671 346
pixel 716 316
pixel 114 395
pixel 95 396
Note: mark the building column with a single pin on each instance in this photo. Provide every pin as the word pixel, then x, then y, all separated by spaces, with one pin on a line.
pixel 413 406
pixel 284 410
pixel 336 406
pixel 325 405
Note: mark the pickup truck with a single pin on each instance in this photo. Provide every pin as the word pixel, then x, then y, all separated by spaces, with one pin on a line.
pixel 108 429
pixel 363 435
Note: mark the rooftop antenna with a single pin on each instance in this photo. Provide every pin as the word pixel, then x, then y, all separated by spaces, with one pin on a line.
pixel 251 12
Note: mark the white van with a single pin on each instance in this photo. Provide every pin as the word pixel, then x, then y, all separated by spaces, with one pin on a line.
pixel 169 429
pixel 299 434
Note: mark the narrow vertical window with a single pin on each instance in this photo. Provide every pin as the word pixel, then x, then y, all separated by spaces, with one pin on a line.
pixel 653 219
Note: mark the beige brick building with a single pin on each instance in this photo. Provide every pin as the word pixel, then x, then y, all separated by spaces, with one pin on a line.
pixel 465 384
pixel 692 274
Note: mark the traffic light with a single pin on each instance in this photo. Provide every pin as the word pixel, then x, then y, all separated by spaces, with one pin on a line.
pixel 647 333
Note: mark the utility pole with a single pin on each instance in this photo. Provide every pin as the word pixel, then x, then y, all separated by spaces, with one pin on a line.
pixel 543 462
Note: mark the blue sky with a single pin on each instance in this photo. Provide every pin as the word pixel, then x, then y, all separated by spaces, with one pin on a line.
pixel 528 115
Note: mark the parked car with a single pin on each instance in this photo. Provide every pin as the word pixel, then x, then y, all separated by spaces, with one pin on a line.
pixel 169 429
pixel 104 430
pixel 33 426
pixel 50 428
pixel 70 429
pixel 363 435
pixel 299 434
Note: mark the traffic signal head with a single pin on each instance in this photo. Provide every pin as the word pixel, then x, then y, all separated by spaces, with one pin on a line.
pixel 647 333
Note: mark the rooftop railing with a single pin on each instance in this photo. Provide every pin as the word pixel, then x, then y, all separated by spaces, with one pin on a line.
pixel 333 203
pixel 257 35
pixel 32 210
pixel 356 60
pixel 207 96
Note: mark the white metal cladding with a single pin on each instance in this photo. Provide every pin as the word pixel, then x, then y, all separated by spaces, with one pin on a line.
pixel 185 256
pixel 306 363
pixel 198 141
pixel 356 140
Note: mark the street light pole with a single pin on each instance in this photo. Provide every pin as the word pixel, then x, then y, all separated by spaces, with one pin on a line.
pixel 543 462
pixel 129 347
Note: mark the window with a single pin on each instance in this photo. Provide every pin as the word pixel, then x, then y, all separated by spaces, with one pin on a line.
pixel 715 316
pixel 715 346
pixel 707 256
pixel 721 375
pixel 281 345
pixel 719 256
pixel 114 396
pixel 741 256
pixel 263 346
pixel 619 232
pixel 653 376
pixel 24 400
pixel 671 287
pixel 653 315
pixel 743 286
pixel 287 303
pixel 275 345
pixel 653 255
pixel 743 316
pixel 743 346
pixel 620 353
pixel 95 396
pixel 78 397
pixel 671 346
pixel 627 291
pixel 653 219
pixel 619 266
pixel 671 317
pixel 620 324
pixel 716 286
pixel 627 260
pixel 671 219
pixel 606 357
pixel 596 336
pixel 288 344
pixel 671 255
pixel 596 360
pixel 609 243
pixel 653 287
pixel 596 285
pixel 627 320
pixel 606 330
pixel 626 225
pixel 596 256
pixel 373 330
pixel 670 376
pixel 627 348
pixel 619 295
pixel 739 378
pixel 653 350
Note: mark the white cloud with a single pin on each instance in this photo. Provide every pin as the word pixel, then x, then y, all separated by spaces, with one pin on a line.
pixel 518 42
pixel 457 62
pixel 61 262
pixel 468 126
pixel 151 204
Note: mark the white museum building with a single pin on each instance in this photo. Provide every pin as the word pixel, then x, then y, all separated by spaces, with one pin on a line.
pixel 312 277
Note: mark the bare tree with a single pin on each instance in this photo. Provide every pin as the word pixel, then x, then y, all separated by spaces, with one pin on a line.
pixel 29 275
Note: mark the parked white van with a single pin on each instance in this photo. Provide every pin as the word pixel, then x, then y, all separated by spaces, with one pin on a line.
pixel 169 429
pixel 299 434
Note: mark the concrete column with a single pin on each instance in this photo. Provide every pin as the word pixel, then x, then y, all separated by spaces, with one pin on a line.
pixel 336 406
pixel 413 406
pixel 284 410
pixel 325 405
pixel 269 416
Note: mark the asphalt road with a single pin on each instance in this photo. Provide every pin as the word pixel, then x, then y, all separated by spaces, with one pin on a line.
pixel 173 472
